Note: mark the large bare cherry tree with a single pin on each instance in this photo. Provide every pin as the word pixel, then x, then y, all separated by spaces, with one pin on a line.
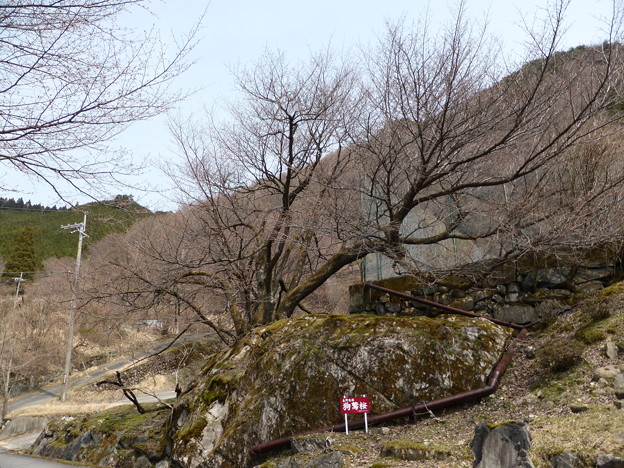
pixel 433 139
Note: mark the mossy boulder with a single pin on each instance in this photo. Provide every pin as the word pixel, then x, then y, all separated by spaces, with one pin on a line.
pixel 116 437
pixel 288 377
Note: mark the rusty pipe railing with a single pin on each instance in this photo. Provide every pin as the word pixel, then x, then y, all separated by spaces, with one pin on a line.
pixel 437 305
pixel 423 408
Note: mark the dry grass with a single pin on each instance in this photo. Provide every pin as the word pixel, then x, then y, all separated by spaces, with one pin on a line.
pixel 80 401
pixel 77 402
pixel 529 393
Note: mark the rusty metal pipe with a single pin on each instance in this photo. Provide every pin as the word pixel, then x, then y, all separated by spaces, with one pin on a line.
pixel 492 384
pixel 437 305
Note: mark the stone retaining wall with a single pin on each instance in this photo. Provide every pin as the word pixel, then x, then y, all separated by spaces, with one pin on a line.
pixel 522 298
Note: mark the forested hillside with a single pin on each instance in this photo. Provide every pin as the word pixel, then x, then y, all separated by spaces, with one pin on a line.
pixel 50 240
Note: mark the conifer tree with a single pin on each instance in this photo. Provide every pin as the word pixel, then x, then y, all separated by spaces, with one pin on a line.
pixel 23 258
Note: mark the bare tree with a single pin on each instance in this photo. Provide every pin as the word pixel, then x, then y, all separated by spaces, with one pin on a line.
pixel 132 276
pixel 448 135
pixel 30 345
pixel 71 78
pixel 261 184
pixel 433 142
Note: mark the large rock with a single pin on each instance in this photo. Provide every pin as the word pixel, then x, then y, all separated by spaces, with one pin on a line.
pixel 502 446
pixel 23 424
pixel 516 313
pixel 288 377
pixel 118 437
pixel 71 451
pixel 609 461
pixel 586 275
pixel 550 278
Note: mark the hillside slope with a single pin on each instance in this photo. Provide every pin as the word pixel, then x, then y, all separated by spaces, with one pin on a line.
pixel 562 384
pixel 554 385
pixel 52 241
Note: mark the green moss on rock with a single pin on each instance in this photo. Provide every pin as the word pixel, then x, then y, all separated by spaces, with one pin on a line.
pixel 120 436
pixel 411 450
pixel 288 377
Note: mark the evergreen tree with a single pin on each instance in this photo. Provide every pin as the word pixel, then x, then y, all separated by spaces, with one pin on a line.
pixel 23 258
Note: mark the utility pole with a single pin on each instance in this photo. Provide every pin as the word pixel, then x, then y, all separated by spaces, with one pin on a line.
pixel 19 282
pixel 80 228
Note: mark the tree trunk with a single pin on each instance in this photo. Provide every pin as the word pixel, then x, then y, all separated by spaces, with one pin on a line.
pixel 310 284
pixel 5 390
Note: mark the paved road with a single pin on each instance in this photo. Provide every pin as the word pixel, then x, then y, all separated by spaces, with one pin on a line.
pixel 18 461
pixel 53 391
pixel 90 376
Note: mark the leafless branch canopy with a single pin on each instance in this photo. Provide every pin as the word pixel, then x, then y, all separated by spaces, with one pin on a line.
pixel 432 142
pixel 71 78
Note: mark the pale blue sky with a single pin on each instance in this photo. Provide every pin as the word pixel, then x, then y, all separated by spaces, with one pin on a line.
pixel 237 32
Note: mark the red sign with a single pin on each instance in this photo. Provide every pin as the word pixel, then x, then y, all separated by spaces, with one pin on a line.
pixel 354 405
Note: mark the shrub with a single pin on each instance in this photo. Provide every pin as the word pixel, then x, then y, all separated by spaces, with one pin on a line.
pixel 598 310
pixel 560 354
pixel 590 335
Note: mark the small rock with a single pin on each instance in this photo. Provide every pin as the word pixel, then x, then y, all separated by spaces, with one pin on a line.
pixel 458 293
pixel 513 288
pixel 611 350
pixel 380 309
pixel 590 286
pixel 618 404
pixel 142 462
pixel 497 298
pixel 512 297
pixel 330 460
pixel 510 442
pixel 385 430
pixel 619 394
pixel 309 443
pixel 529 399
pixel 565 460
pixel 482 294
pixel 465 303
pixel 609 461
pixel 530 352
pixel 516 313
pixel 602 383
pixel 579 408
pixel 548 405
pixel 606 372
pixel 618 381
